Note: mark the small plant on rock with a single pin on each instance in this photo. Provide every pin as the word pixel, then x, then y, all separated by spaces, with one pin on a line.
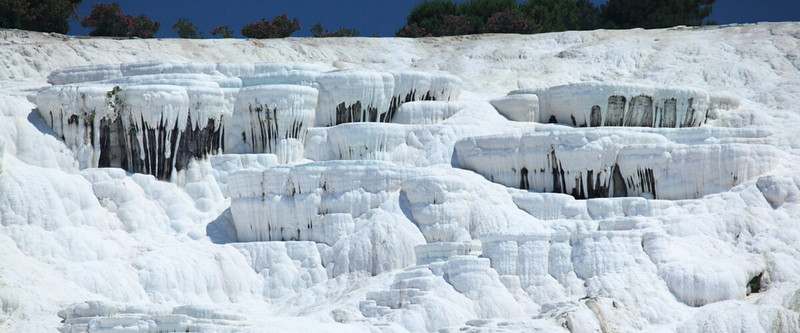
pixel 222 31
pixel 319 31
pixel 186 29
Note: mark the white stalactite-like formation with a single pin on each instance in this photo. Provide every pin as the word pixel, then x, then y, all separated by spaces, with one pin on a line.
pixel 71 111
pixel 359 96
pixel 335 175
pixel 332 203
pixel 154 117
pixel 354 96
pixel 106 126
pixel 284 203
pixel 421 86
pixel 642 208
pixel 602 163
pixel 271 119
pixel 610 104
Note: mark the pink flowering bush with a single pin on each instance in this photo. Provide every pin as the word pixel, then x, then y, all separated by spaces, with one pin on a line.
pixel 38 15
pixel 413 31
pixel 454 25
pixel 109 20
pixel 511 21
pixel 279 27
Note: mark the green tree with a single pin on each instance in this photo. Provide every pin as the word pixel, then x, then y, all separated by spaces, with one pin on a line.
pixel 186 29
pixel 38 15
pixel 446 18
pixel 479 11
pixel 109 20
pixel 552 15
pixel 442 17
pixel 625 14
pixel 589 17
pixel 143 27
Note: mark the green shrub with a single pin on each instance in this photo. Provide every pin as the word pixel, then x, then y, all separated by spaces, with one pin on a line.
pixel 186 29
pixel 319 31
pixel 479 11
pixel 552 15
pixel 222 31
pixel 624 14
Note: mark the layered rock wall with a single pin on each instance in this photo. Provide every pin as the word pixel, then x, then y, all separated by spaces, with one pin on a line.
pixel 600 163
pixel 614 104
pixel 154 117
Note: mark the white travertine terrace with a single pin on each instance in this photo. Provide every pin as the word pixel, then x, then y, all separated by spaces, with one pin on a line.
pixel 420 221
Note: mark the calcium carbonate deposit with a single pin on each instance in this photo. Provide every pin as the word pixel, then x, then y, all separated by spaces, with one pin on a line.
pixel 594 181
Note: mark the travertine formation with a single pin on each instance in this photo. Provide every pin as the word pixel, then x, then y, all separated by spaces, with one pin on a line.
pixel 606 104
pixel 603 163
pixel 155 117
pixel 567 210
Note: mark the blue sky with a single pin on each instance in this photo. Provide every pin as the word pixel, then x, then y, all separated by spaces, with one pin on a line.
pixel 381 17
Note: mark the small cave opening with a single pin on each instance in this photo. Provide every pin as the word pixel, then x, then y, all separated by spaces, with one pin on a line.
pixel 754 285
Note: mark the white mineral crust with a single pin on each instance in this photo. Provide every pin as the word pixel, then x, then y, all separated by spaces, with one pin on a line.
pixel 393 184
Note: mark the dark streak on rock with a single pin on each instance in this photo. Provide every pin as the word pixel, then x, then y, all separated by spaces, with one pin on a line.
pixel 523 181
pixel 119 145
pixel 596 117
pixel 688 119
pixel 640 112
pixel 616 110
pixel 620 189
pixel 669 115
